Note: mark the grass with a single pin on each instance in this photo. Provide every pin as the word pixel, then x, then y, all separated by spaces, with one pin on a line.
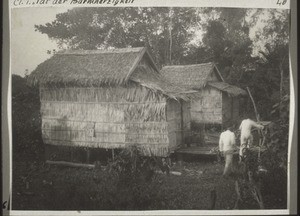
pixel 57 188
pixel 62 188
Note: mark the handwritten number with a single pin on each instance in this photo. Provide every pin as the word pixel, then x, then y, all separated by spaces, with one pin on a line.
pixel 4 205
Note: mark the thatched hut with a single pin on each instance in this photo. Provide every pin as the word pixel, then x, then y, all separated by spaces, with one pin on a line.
pixel 109 99
pixel 218 103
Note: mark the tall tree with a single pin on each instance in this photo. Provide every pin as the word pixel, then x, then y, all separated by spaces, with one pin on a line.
pixel 225 41
pixel 274 55
pixel 165 31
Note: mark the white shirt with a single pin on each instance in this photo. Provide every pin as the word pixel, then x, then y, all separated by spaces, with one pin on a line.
pixel 227 141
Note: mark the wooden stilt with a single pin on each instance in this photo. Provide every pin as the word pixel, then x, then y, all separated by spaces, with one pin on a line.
pixel 113 154
pixel 65 163
pixel 238 193
pixel 180 159
pixel 256 191
pixel 257 196
pixel 88 153
pixel 213 198
pixel 72 154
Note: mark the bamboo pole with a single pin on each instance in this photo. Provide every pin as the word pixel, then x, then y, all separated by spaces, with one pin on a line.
pixel 88 153
pixel 213 198
pixel 71 164
pixel 255 191
pixel 253 102
pixel 256 114
pixel 238 193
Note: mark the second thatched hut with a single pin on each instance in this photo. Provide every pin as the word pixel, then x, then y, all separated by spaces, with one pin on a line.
pixel 219 103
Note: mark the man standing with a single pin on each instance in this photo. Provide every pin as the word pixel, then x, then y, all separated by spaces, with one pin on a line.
pixel 227 147
pixel 246 136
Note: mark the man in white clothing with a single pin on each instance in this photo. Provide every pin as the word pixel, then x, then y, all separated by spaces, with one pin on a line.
pixel 227 147
pixel 246 135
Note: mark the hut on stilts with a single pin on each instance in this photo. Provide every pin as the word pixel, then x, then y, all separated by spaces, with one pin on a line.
pixel 108 99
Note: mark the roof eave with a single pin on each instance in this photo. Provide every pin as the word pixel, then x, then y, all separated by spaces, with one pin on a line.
pixel 152 61
pixel 135 64
pixel 219 73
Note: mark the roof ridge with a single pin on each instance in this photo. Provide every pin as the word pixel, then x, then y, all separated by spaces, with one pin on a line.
pixel 99 51
pixel 189 65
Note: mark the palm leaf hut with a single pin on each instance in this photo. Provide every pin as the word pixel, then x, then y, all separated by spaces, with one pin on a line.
pixel 218 103
pixel 108 99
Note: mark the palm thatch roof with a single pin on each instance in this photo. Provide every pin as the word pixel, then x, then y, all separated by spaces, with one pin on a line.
pixel 190 76
pixel 102 67
pixel 156 81
pixel 88 67
pixel 230 89
pixel 197 76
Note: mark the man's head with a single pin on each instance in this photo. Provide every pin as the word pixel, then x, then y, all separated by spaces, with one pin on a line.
pixel 231 128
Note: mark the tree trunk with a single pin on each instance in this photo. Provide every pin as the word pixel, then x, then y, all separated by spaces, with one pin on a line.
pixel 170 34
pixel 281 84
pixel 170 50
pixel 254 106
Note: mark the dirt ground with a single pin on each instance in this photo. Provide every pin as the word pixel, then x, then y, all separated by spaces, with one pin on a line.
pixel 53 187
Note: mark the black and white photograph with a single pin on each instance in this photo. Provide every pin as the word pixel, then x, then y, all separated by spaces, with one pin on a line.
pixel 125 108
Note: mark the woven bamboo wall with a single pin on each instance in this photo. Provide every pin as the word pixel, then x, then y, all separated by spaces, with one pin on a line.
pixel 208 109
pixel 105 118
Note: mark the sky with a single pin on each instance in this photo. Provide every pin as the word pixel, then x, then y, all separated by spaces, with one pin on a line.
pixel 29 47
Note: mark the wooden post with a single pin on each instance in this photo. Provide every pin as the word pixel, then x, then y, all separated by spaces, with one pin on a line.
pixel 255 191
pixel 88 152
pixel 180 159
pixel 213 198
pixel 70 164
pixel 258 197
pixel 72 154
pixel 238 193
pixel 182 122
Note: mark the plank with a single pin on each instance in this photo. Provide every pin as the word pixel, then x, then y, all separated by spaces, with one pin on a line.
pixel 70 164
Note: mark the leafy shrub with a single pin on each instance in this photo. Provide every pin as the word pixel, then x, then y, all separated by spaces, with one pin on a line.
pixel 277 139
pixel 127 183
pixel 275 158
pixel 135 178
pixel 26 121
